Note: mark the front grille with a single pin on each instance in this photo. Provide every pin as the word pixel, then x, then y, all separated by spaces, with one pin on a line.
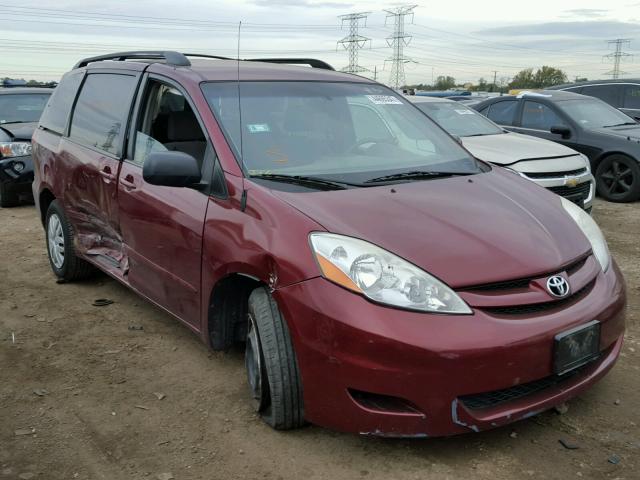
pixel 580 191
pixel 568 173
pixel 542 306
pixel 520 283
pixel 497 397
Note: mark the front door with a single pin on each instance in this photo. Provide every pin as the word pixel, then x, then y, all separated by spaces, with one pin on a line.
pixel 162 226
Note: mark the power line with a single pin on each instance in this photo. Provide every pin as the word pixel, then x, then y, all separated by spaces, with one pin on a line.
pixel 618 56
pixel 354 41
pixel 397 42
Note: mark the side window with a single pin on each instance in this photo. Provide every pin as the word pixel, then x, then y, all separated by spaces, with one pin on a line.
pixel 368 124
pixel 632 96
pixel 167 122
pixel 538 116
pixel 606 93
pixel 503 112
pixel 100 116
pixel 56 113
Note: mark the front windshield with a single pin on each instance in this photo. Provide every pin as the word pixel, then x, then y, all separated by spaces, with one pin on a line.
pixel 22 107
pixel 351 132
pixel 458 119
pixel 592 113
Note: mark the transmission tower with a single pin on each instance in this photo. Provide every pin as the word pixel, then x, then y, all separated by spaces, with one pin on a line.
pixel 618 56
pixel 397 42
pixel 354 41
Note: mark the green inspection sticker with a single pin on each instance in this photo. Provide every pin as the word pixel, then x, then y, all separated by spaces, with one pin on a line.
pixel 258 128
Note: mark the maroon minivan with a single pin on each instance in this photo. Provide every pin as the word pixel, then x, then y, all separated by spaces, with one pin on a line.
pixel 383 280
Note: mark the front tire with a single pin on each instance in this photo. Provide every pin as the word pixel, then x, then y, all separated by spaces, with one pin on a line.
pixel 618 179
pixel 60 247
pixel 272 368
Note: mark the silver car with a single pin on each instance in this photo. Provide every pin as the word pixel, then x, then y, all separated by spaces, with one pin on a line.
pixel 551 165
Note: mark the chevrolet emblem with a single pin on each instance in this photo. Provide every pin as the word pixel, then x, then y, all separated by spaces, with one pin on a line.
pixel 571 182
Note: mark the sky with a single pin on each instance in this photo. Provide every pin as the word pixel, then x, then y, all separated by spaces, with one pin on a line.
pixel 465 39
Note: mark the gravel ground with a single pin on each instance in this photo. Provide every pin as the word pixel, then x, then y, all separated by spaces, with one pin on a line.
pixel 83 396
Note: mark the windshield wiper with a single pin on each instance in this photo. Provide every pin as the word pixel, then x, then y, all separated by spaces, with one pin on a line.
pixel 414 175
pixel 479 135
pixel 314 182
pixel 620 124
pixel 14 121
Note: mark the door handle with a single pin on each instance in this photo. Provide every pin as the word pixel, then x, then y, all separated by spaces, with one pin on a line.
pixel 106 174
pixel 128 182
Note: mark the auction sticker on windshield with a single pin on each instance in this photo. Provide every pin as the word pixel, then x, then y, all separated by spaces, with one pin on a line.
pixel 384 99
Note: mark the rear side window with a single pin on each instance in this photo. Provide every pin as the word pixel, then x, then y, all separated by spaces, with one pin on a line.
pixel 56 113
pixel 538 116
pixel 503 112
pixel 100 117
pixel 606 93
pixel 574 89
pixel 632 96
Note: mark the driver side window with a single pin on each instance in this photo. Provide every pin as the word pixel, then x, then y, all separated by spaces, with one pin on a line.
pixel 167 122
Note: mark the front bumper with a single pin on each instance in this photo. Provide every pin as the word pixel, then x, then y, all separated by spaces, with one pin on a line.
pixel 346 344
pixel 580 189
pixel 20 181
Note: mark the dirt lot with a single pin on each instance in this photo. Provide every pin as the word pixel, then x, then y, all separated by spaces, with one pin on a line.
pixel 78 394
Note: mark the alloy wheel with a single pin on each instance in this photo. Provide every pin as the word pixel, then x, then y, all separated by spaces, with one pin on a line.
pixel 55 239
pixel 618 179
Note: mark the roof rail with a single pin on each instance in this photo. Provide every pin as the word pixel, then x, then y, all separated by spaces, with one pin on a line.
pixel 312 62
pixel 176 59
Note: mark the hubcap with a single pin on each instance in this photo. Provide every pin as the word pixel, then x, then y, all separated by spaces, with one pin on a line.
pixel 55 238
pixel 253 364
pixel 618 179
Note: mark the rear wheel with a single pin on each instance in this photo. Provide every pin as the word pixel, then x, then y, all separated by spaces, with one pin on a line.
pixel 272 368
pixel 60 248
pixel 8 196
pixel 618 179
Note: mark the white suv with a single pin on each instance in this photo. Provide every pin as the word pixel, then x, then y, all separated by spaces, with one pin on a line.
pixel 551 165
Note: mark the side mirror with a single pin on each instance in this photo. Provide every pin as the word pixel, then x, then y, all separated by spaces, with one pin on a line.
pixel 564 132
pixel 171 169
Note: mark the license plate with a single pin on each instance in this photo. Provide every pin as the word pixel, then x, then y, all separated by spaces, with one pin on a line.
pixel 576 347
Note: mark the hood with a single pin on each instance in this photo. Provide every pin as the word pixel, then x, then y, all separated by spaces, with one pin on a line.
pixel 630 132
pixel 20 131
pixel 505 149
pixel 466 231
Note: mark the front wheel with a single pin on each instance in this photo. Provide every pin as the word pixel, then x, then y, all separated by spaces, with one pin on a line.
pixel 272 368
pixel 618 179
pixel 60 248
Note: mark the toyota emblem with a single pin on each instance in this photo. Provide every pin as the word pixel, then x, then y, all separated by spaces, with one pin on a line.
pixel 558 286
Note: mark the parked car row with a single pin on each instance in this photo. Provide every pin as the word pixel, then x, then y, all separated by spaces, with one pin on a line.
pixel 608 137
pixel 381 278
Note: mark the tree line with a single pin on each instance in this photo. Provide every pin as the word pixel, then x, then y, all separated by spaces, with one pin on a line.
pixel 543 77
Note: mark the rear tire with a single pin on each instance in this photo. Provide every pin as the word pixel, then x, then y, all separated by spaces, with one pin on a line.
pixel 8 196
pixel 618 178
pixel 272 368
pixel 60 246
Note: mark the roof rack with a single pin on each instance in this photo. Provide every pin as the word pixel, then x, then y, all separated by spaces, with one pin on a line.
pixel 178 59
pixel 312 62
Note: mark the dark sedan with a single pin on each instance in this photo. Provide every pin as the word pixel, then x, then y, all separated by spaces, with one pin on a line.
pixel 20 110
pixel 607 136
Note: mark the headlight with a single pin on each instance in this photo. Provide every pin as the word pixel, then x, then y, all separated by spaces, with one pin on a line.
pixel 590 230
pixel 15 149
pixel 382 276
pixel 586 161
